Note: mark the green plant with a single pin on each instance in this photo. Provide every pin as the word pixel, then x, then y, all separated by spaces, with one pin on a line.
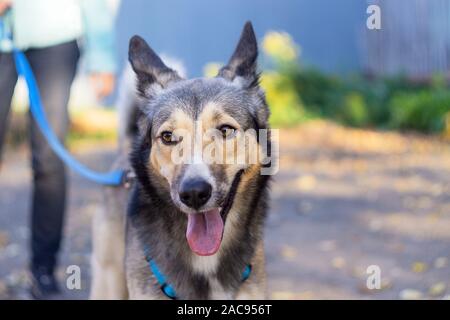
pixel 284 101
pixel 425 110
pixel 354 110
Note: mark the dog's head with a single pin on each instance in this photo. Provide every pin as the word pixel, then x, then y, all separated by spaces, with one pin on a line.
pixel 201 134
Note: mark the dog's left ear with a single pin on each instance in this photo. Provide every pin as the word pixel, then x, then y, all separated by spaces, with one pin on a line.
pixel 242 65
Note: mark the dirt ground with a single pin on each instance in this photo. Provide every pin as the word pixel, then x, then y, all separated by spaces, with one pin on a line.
pixel 344 199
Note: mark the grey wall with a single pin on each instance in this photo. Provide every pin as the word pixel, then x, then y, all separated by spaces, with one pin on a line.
pixel 200 31
pixel 414 39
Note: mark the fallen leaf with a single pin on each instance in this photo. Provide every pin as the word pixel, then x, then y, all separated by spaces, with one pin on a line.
pixel 358 272
pixel 289 253
pixel 338 262
pixel 440 262
pixel 283 295
pixel 307 295
pixel 306 182
pixel 410 294
pixel 419 267
pixel 437 289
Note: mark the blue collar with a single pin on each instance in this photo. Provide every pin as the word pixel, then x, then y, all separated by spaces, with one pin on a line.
pixel 166 288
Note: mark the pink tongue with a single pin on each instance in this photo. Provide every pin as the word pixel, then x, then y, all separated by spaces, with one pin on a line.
pixel 204 232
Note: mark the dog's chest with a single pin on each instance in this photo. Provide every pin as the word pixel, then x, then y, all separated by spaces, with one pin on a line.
pixel 207 266
pixel 217 292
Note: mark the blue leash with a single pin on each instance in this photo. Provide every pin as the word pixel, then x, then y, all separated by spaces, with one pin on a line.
pixel 113 178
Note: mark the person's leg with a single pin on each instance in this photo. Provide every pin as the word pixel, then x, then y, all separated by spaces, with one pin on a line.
pixel 54 68
pixel 8 81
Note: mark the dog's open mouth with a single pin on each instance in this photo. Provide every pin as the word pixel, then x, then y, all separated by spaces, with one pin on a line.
pixel 204 232
pixel 205 229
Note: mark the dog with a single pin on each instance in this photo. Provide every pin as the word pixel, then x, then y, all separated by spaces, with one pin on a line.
pixel 192 229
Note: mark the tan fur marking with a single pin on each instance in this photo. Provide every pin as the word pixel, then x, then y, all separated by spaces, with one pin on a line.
pixel 161 155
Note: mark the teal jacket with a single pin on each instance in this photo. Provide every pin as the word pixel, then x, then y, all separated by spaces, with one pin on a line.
pixel 44 23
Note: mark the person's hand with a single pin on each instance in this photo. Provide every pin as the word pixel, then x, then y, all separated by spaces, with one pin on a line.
pixel 4 5
pixel 103 84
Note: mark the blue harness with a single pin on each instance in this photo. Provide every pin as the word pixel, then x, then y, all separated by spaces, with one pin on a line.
pixel 166 288
pixel 114 178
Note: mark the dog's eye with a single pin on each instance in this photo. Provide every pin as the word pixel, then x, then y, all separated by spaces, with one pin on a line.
pixel 227 131
pixel 168 138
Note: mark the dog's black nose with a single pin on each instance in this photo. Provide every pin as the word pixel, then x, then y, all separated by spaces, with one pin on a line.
pixel 195 193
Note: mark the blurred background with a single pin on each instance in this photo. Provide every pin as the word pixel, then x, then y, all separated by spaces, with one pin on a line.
pixel 364 119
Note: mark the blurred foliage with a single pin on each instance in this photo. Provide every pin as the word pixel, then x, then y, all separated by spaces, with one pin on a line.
pixel 211 69
pixel 284 100
pixel 282 95
pixel 425 110
pixel 296 93
pixel 280 46
pixel 92 125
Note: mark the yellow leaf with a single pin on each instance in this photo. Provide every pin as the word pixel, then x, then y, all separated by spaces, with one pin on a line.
pixel 288 252
pixel 437 289
pixel 418 267
pixel 410 294
pixel 306 182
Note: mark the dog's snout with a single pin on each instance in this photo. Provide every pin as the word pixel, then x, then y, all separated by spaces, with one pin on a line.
pixel 195 193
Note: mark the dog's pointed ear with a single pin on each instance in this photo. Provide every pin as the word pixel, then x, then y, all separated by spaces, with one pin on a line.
pixel 152 74
pixel 242 65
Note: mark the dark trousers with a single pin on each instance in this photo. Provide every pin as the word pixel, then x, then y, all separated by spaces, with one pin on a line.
pixel 54 68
